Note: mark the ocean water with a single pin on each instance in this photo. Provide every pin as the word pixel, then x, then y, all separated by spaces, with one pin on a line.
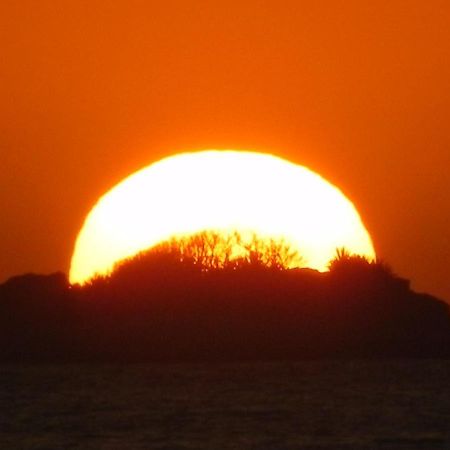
pixel 302 405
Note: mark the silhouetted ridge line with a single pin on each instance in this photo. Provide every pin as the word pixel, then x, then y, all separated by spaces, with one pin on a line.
pixel 172 305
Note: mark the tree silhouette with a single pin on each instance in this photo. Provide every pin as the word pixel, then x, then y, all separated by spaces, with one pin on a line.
pixel 211 250
pixel 273 253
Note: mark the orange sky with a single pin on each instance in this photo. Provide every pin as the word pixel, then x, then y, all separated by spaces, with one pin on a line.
pixel 357 91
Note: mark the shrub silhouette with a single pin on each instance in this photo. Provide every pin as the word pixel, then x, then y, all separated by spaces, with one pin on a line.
pixel 345 262
pixel 211 250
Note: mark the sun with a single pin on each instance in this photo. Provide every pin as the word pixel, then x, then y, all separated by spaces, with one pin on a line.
pixel 225 190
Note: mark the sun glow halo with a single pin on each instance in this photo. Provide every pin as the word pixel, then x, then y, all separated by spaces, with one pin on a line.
pixel 219 190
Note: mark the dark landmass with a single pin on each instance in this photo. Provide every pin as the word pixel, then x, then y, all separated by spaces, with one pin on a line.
pixel 160 308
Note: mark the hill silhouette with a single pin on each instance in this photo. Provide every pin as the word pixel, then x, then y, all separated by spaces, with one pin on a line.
pixel 214 298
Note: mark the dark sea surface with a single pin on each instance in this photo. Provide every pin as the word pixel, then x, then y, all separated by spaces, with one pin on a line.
pixel 302 405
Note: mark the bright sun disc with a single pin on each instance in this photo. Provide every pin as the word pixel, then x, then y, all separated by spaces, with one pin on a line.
pixel 219 190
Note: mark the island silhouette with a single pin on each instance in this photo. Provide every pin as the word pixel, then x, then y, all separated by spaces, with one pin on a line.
pixel 213 297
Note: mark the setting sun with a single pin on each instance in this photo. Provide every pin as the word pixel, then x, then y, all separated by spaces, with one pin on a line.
pixel 222 191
